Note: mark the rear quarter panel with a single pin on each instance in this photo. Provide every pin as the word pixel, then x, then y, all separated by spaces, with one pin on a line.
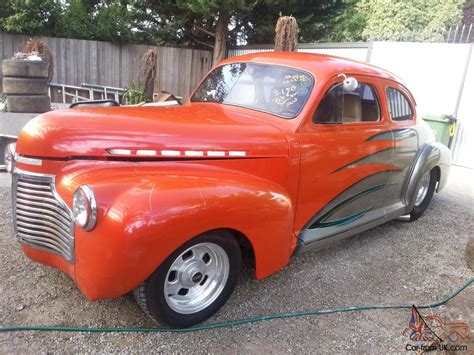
pixel 416 151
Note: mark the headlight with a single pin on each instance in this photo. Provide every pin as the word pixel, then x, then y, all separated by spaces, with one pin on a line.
pixel 84 207
pixel 10 157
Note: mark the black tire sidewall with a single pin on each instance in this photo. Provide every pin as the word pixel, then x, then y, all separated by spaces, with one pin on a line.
pixel 417 211
pixel 25 86
pixel 28 103
pixel 154 285
pixel 24 68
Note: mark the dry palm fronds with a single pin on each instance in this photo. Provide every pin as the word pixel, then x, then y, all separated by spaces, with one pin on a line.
pixel 286 34
pixel 150 59
pixel 36 45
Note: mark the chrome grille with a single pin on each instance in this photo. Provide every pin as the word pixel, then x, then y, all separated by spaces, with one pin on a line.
pixel 41 219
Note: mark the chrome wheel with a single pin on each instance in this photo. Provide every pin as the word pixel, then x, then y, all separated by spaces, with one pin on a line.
pixel 196 278
pixel 423 189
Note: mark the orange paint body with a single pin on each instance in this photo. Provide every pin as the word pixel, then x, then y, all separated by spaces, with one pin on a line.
pixel 148 208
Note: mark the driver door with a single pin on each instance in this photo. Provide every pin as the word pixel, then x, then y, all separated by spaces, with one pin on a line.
pixel 344 170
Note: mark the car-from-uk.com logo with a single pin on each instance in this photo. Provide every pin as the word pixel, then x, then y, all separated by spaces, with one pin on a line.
pixel 433 333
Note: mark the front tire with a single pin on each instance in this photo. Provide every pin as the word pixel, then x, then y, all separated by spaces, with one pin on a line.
pixel 194 282
pixel 425 192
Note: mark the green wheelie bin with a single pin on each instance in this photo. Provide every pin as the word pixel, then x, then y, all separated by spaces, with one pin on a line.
pixel 444 127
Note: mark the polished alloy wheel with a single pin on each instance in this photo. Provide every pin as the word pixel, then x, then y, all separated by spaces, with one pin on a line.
pixel 196 278
pixel 423 189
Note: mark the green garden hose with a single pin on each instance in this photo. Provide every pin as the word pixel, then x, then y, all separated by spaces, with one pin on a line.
pixel 316 312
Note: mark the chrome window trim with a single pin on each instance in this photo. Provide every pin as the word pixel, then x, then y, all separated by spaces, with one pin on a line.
pixel 376 95
pixel 412 116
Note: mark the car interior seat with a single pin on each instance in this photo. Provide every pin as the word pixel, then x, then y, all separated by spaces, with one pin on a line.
pixel 370 112
pixel 352 111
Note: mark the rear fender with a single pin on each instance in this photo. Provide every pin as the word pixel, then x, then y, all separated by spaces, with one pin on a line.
pixel 429 156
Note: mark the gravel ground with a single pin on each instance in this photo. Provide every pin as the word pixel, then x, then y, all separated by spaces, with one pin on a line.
pixel 395 263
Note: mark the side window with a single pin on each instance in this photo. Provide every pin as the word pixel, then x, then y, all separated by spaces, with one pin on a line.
pixel 341 106
pixel 398 105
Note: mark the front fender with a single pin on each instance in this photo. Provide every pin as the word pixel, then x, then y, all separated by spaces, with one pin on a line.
pixel 145 214
pixel 429 155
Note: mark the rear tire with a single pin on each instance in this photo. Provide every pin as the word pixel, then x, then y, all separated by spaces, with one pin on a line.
pixel 24 68
pixel 425 193
pixel 28 103
pixel 194 282
pixel 25 86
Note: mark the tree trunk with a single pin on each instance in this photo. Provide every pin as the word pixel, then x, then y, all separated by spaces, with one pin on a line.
pixel 220 42
pixel 286 34
pixel 150 61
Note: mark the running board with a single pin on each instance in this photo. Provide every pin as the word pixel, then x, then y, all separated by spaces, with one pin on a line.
pixel 315 243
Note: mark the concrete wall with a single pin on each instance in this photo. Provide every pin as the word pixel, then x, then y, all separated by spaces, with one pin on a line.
pixel 464 143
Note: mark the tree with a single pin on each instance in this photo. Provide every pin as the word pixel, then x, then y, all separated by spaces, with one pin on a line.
pixel 286 34
pixel 314 17
pixel 107 20
pixel 113 21
pixel 34 17
pixel 423 20
pixel 347 26
pixel 217 23
pixel 77 20
pixel 150 64
pixel 202 22
pixel 199 23
pixel 211 19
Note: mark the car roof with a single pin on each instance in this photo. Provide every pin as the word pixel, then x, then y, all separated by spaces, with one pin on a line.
pixel 318 64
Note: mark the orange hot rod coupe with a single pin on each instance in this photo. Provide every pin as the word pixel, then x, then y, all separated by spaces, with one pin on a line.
pixel 275 152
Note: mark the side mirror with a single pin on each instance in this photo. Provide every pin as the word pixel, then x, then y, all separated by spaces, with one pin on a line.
pixel 349 83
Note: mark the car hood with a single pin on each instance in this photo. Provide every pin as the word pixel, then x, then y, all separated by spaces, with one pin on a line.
pixel 93 132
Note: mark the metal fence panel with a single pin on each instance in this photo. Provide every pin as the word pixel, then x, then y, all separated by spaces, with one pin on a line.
pixel 356 51
pixel 359 54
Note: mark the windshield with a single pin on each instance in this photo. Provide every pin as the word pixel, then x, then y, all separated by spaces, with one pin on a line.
pixel 274 89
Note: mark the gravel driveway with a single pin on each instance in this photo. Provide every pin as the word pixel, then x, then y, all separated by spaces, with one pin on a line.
pixel 395 263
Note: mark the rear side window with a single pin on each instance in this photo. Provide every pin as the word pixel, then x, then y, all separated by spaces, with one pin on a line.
pixel 342 106
pixel 398 105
